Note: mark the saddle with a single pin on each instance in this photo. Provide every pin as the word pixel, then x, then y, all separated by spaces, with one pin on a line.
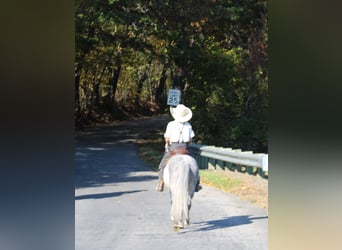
pixel 179 151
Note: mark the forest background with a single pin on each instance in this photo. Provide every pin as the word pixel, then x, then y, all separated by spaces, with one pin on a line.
pixel 130 53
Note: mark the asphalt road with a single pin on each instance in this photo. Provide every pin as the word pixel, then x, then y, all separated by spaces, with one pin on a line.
pixel 117 207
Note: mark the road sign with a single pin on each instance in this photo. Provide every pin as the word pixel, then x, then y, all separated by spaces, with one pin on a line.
pixel 173 98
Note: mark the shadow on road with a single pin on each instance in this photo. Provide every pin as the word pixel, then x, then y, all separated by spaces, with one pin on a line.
pixel 223 223
pixel 105 195
pixel 106 155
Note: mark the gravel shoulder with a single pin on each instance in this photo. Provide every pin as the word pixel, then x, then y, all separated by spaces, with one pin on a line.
pixel 253 189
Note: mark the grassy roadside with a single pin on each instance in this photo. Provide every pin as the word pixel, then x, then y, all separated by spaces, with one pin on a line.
pixel 250 188
pixel 151 150
pixel 218 180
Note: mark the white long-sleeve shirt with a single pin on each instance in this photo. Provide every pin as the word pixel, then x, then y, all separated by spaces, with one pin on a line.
pixel 179 132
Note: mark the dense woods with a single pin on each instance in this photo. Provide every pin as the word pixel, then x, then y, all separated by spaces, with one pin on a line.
pixel 130 53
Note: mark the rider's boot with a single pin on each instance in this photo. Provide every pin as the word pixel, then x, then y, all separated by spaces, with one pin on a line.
pixel 198 187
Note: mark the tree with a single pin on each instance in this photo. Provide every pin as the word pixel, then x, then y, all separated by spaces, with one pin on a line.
pixel 128 53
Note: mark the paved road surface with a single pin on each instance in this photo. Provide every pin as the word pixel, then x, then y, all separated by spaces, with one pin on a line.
pixel 117 207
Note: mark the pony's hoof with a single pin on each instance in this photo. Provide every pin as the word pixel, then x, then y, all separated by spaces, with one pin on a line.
pixel 179 226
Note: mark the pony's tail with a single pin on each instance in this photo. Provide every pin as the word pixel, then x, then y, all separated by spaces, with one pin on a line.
pixel 180 195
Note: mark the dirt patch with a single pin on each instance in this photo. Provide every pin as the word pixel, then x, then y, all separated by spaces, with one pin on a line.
pixel 253 188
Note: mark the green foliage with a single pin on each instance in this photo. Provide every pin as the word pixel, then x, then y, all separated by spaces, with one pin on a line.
pixel 129 53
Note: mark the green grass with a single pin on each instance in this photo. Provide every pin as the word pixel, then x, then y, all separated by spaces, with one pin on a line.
pixel 218 180
pixel 150 157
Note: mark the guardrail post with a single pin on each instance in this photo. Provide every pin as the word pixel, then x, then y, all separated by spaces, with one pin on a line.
pixel 204 162
pixel 241 169
pixel 211 164
pixel 220 164
pixel 229 165
pixel 252 170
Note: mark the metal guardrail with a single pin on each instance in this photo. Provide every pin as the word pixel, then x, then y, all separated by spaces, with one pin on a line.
pixel 211 157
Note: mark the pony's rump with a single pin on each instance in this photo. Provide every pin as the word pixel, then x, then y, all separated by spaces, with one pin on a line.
pixel 181 176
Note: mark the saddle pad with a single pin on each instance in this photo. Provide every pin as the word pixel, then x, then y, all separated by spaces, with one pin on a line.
pixel 177 151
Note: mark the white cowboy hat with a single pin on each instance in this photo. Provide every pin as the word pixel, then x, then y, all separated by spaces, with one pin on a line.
pixel 181 113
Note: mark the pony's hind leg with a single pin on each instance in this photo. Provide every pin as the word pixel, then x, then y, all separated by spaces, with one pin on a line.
pixel 187 219
pixel 187 222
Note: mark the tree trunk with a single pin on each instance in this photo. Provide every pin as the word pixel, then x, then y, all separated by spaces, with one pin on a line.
pixel 77 87
pixel 139 88
pixel 159 95
pixel 178 79
pixel 113 81
pixel 97 88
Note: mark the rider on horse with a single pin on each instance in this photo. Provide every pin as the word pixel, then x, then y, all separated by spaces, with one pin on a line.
pixel 178 135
